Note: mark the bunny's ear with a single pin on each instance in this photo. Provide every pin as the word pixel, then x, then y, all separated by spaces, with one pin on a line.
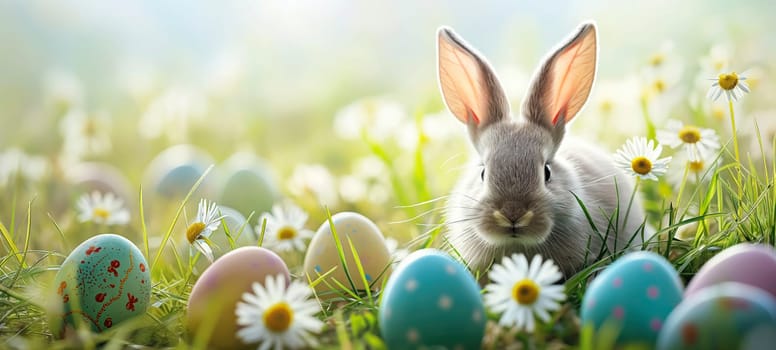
pixel 564 81
pixel 469 86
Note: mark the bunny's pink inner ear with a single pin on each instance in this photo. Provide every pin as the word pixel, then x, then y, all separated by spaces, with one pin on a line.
pixel 470 89
pixel 571 75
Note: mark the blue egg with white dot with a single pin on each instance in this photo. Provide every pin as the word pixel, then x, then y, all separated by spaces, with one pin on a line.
pixel 431 300
pixel 632 298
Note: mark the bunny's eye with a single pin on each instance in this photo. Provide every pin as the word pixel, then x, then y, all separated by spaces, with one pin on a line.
pixel 482 175
pixel 547 172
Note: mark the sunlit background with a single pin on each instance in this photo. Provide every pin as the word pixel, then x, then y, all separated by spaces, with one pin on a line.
pixel 331 96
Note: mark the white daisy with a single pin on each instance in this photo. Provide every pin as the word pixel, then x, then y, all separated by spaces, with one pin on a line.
pixel 698 170
pixel 278 317
pixel 699 143
pixel 63 89
pixel 285 228
pixel 640 158
pixel 105 209
pixel 731 84
pixel 367 182
pixel 717 59
pixel 172 114
pixel 84 134
pixel 376 117
pixel 15 162
pixel 206 222
pixel 521 290
pixel 315 180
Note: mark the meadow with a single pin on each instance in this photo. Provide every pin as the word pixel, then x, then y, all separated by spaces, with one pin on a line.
pixel 341 112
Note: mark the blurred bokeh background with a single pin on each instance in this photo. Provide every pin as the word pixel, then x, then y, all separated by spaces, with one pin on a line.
pixel 334 102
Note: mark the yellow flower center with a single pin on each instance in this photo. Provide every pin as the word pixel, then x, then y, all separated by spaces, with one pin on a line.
pixel 657 60
pixel 641 165
pixel 90 127
pixel 607 106
pixel 192 233
pixel 278 317
pixel 695 166
pixel 718 113
pixel 286 232
pixel 101 213
pixel 728 81
pixel 525 292
pixel 659 85
pixel 690 134
pixel 719 64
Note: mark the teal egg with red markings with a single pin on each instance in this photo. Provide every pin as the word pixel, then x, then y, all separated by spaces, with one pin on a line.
pixel 103 282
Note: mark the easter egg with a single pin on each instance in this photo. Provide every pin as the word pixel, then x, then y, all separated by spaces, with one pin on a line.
pixel 322 254
pixel 104 281
pixel 214 297
pixel 723 316
pixel 175 171
pixel 633 296
pixel 248 185
pixel 240 231
pixel 431 301
pixel 751 264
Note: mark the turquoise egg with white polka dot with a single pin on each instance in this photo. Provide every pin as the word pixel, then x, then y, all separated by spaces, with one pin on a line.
pixel 632 298
pixel 729 315
pixel 432 301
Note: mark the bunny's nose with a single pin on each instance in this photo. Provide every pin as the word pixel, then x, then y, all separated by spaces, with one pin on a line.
pixel 514 215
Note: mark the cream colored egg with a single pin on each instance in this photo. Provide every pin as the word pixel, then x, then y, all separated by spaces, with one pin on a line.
pixel 322 254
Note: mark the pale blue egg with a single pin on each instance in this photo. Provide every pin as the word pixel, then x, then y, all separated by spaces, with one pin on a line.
pixel 633 296
pixel 175 171
pixel 431 301
pixel 729 315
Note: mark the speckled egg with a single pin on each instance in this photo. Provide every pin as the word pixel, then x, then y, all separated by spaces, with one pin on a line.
pixel 723 316
pixel 432 301
pixel 175 170
pixel 214 297
pixel 369 242
pixel 248 184
pixel 634 294
pixel 751 264
pixel 220 242
pixel 103 282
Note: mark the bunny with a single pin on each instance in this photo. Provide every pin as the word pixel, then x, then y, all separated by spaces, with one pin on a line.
pixel 521 197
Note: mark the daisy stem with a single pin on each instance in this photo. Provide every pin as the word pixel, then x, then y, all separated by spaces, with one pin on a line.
pixel 651 133
pixel 735 133
pixel 630 202
pixel 735 147
pixel 682 186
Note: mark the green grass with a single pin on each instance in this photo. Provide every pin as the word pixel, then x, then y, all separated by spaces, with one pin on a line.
pixel 723 218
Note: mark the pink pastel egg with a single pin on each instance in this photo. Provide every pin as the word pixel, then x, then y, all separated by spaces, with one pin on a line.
pixel 751 264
